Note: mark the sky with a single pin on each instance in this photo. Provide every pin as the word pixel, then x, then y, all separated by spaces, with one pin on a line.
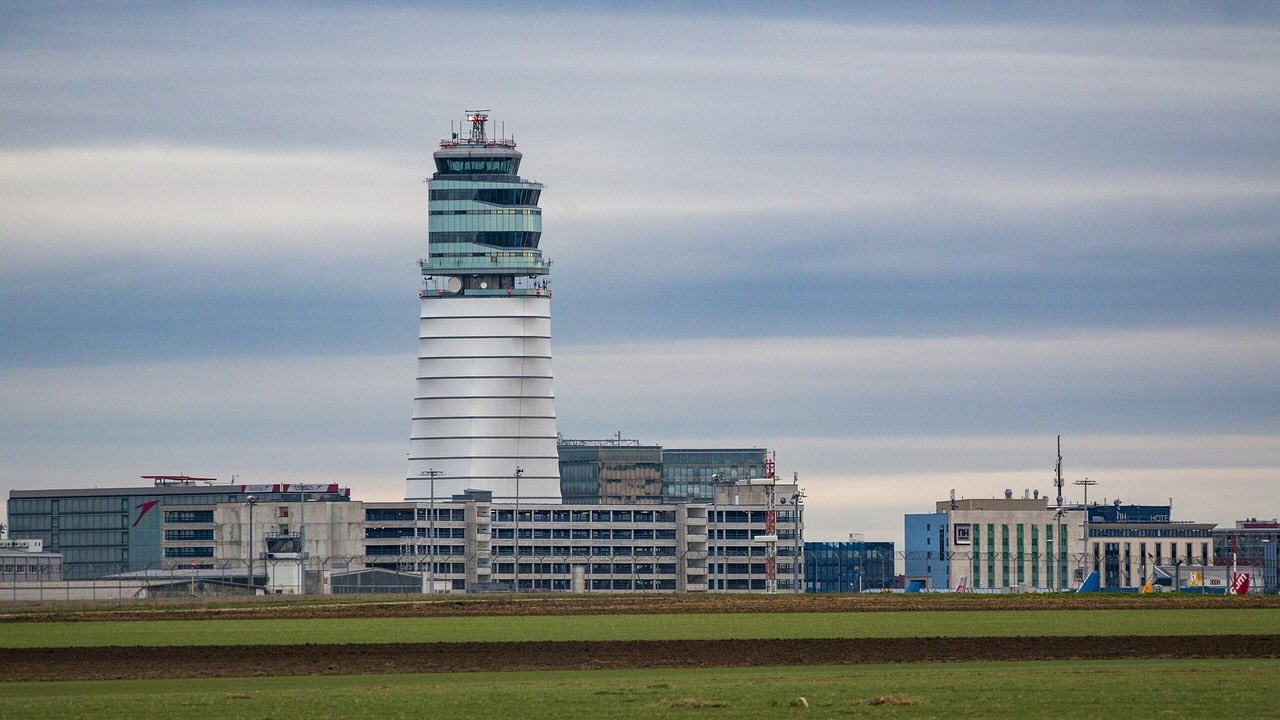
pixel 905 246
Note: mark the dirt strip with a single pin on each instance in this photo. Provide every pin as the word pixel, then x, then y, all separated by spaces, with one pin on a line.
pixel 256 660
pixel 382 606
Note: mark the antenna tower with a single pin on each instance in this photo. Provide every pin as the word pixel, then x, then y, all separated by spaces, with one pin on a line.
pixel 477 118
pixel 1057 475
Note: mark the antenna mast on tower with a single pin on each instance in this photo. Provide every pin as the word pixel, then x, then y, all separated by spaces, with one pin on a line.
pixel 1057 476
pixel 477 118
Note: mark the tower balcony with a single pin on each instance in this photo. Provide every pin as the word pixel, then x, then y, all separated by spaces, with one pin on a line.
pixel 498 262
pixel 509 292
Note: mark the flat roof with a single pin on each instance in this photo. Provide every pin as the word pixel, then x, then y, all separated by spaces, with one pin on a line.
pixel 994 504
pixel 127 491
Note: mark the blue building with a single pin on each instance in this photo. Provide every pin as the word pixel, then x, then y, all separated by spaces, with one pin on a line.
pixel 1118 513
pixel 926 548
pixel 851 566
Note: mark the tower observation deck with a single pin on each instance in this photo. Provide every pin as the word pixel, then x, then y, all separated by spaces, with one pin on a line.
pixel 484 410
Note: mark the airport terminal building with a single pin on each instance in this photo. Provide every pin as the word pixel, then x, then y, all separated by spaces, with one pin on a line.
pixel 473 544
pixel 495 500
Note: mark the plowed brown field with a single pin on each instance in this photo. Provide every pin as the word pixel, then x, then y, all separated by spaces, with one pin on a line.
pixel 382 606
pixel 251 660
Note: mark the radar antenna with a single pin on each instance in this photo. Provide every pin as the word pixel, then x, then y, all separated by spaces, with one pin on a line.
pixel 477 118
pixel 1057 474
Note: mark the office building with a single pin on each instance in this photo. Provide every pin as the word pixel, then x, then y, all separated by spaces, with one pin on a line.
pixel 472 543
pixel 1017 544
pixel 691 474
pixel 995 544
pixel 612 470
pixel 1245 544
pixel 105 531
pixel 1128 542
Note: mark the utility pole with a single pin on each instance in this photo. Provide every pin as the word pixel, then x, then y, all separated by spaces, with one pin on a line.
pixel 1057 475
pixel 302 539
pixel 251 501
pixel 515 551
pixel 431 473
pixel 1086 484
pixel 797 514
pixel 712 576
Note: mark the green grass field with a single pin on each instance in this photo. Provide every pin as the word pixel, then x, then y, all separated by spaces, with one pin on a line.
pixel 1083 689
pixel 981 623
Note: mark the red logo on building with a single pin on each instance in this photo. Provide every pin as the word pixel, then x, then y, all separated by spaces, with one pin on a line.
pixel 144 507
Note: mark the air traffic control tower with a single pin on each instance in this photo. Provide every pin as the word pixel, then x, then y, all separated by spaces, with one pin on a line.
pixel 484 412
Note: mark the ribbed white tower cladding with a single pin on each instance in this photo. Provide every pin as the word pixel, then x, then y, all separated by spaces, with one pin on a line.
pixel 484 412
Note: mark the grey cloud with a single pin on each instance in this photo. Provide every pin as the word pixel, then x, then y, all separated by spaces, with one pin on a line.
pixel 781 181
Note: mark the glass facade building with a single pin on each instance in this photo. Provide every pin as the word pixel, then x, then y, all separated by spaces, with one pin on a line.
pixel 848 566
pixel 624 471
pixel 592 473
pixel 692 474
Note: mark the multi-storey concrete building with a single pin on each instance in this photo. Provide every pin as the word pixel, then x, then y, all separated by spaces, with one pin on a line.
pixel 996 544
pixel 473 543
pixel 105 531
pixel 1246 543
pixel 1026 544
pixel 1127 542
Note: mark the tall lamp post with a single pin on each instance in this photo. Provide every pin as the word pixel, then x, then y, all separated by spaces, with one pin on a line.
pixel 431 473
pixel 1086 484
pixel 251 501
pixel 797 527
pixel 302 539
pixel 712 574
pixel 1064 547
pixel 515 551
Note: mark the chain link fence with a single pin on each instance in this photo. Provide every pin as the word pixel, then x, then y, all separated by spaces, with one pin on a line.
pixel 414 573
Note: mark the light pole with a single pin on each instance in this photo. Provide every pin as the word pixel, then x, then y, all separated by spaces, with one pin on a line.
pixel 712 574
pixel 1086 484
pixel 431 473
pixel 515 551
pixel 797 526
pixel 302 539
pixel 251 501
pixel 1064 550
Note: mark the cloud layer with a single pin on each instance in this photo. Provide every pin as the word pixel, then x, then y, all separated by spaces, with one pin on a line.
pixel 906 248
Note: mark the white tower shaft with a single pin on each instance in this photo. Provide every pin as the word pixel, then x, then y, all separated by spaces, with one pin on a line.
pixel 484 404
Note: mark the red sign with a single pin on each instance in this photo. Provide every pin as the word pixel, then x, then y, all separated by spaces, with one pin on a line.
pixel 1240 583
